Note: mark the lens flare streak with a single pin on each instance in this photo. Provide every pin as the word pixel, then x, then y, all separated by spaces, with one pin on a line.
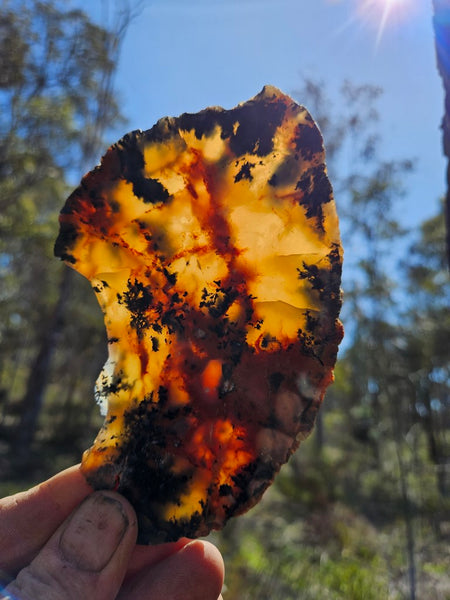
pixel 387 10
pixel 381 15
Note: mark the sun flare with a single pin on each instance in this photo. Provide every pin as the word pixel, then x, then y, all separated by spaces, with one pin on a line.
pixel 384 14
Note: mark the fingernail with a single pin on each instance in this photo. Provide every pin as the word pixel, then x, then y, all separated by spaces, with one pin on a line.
pixel 94 533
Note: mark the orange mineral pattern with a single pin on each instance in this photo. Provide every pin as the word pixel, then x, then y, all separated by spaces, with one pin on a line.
pixel 212 244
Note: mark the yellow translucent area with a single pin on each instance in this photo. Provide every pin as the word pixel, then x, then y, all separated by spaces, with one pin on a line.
pixel 106 443
pixel 131 237
pixel 126 355
pixel 263 227
pixel 331 224
pixel 171 163
pixel 95 255
pixel 277 244
pixel 130 367
pixel 279 281
pixel 114 429
pixel 160 158
pixel 115 314
pixel 130 206
pixel 176 228
pixel 236 312
pixel 162 162
pixel 104 255
pixel 255 229
pixel 198 271
pixel 193 500
pixel 212 146
pixel 281 320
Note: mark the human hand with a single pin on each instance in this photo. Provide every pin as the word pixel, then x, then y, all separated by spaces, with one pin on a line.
pixel 59 549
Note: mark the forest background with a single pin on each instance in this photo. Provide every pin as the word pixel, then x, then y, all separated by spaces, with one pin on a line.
pixel 362 510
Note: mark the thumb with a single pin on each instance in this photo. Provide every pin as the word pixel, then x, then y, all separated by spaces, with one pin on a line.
pixel 86 557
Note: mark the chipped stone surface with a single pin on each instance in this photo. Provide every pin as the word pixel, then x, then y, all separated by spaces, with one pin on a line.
pixel 212 244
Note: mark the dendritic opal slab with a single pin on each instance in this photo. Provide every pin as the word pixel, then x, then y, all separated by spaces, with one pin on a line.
pixel 212 244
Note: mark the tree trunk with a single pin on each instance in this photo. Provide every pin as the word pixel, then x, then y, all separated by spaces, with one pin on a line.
pixel 33 398
pixel 441 22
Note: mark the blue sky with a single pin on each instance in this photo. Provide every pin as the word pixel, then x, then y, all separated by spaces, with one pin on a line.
pixel 183 55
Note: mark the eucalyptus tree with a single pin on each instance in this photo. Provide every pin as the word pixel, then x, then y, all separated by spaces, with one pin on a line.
pixel 56 101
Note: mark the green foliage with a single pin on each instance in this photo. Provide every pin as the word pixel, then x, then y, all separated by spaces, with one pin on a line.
pixel 333 527
pixel 56 100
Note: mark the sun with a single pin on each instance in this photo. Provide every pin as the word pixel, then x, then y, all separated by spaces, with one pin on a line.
pixel 381 14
